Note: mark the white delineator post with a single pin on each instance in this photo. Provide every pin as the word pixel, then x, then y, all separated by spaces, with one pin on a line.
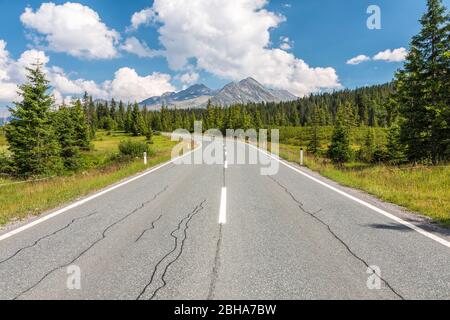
pixel 301 156
pixel 145 158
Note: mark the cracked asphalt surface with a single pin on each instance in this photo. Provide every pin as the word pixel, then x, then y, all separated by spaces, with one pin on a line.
pixel 286 237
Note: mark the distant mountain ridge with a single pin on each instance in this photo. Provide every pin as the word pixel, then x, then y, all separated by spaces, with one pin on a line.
pixel 249 90
pixel 197 96
pixel 194 96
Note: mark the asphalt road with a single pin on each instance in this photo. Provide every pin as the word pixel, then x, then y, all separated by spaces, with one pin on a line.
pixel 285 237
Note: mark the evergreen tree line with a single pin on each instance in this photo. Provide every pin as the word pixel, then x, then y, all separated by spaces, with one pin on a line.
pixel 44 141
pixel 371 106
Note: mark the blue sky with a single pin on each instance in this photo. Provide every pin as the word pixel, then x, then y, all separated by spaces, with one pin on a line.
pixel 212 44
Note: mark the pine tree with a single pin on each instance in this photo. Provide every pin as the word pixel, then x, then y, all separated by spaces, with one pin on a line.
pixel 113 109
pixel 192 120
pixel 128 120
pixel 92 119
pixel 368 148
pixel 137 122
pixel 339 150
pixel 258 121
pixel 395 149
pixel 81 126
pixel 245 120
pixel 164 119
pixel 65 124
pixel 178 123
pixel 422 88
pixel 120 117
pixel 157 125
pixel 314 144
pixel 31 137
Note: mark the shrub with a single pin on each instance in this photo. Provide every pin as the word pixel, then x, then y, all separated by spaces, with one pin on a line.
pixel 134 149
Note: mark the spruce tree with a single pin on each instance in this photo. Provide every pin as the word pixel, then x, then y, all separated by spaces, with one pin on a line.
pixel 314 143
pixel 423 89
pixel 395 149
pixel 81 126
pixel 368 148
pixel 120 118
pixel 258 121
pixel 128 120
pixel 92 119
pixel 339 151
pixel 65 125
pixel 31 137
pixel 137 122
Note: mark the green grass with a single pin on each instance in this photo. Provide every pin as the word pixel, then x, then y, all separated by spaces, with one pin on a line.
pixel 17 201
pixel 421 189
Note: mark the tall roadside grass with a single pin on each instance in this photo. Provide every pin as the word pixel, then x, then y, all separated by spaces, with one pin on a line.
pixel 421 189
pixel 20 199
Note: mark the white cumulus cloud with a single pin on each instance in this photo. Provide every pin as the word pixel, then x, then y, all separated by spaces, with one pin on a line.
pixel 234 44
pixel 141 49
pixel 126 85
pixel 74 29
pixel 129 86
pixel 358 59
pixel 143 17
pixel 286 43
pixel 189 78
pixel 12 72
pixel 396 55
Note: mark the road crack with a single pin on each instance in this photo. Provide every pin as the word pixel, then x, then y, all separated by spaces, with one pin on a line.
pixel 103 236
pixel 157 280
pixel 330 230
pixel 152 226
pixel 35 243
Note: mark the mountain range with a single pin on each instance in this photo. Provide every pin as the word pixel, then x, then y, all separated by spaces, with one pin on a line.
pixel 197 96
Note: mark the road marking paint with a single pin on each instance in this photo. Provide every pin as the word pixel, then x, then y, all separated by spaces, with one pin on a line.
pixel 92 197
pixel 223 206
pixel 226 164
pixel 368 205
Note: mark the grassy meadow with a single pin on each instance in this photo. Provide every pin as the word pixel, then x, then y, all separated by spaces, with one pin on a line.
pixel 19 199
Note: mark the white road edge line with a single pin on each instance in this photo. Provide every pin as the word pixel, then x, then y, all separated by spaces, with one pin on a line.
pixel 223 206
pixel 92 197
pixel 368 205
